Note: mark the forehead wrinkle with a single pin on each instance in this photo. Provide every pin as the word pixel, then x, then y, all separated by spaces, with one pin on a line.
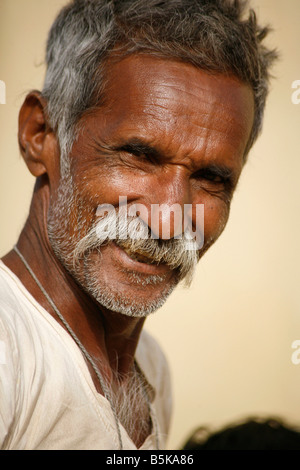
pixel 206 93
pixel 184 91
pixel 173 125
pixel 167 83
pixel 181 112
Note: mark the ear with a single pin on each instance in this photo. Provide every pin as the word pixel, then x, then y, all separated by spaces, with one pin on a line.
pixel 33 133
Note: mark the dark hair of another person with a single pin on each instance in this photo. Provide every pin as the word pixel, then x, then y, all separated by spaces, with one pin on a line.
pixel 253 434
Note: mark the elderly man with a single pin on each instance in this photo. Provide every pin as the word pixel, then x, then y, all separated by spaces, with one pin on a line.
pixel 148 102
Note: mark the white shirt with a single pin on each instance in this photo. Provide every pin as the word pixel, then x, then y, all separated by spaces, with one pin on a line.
pixel 47 397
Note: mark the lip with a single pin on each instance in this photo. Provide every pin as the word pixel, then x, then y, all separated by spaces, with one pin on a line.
pixel 133 265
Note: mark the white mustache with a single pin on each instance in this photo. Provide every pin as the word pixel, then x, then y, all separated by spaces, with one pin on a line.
pixel 134 236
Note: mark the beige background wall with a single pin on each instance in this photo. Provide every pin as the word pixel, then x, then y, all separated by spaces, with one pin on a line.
pixel 228 339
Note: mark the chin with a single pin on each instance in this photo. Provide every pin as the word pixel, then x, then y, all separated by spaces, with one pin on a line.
pixel 138 299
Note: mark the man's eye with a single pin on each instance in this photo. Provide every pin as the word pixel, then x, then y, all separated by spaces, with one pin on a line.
pixel 139 154
pixel 211 177
pixel 214 178
pixel 133 152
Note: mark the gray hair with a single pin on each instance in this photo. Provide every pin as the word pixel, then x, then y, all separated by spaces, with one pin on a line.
pixel 213 35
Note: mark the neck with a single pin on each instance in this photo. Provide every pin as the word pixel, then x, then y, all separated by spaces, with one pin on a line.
pixel 109 337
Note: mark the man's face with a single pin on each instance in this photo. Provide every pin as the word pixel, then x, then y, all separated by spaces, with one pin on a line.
pixel 168 133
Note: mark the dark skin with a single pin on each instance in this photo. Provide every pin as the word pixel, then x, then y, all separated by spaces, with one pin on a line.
pixel 167 133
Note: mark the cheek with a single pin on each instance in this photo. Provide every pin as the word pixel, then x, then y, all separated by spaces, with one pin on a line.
pixel 106 186
pixel 215 219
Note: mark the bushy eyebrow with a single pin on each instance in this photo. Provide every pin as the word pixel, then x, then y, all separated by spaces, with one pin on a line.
pixel 138 147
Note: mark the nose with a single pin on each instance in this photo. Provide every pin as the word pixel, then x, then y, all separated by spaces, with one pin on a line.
pixel 170 199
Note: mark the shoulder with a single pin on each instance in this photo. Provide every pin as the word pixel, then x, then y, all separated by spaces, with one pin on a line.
pixel 22 334
pixel 16 310
pixel 17 321
pixel 11 296
pixel 9 354
pixel 9 309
